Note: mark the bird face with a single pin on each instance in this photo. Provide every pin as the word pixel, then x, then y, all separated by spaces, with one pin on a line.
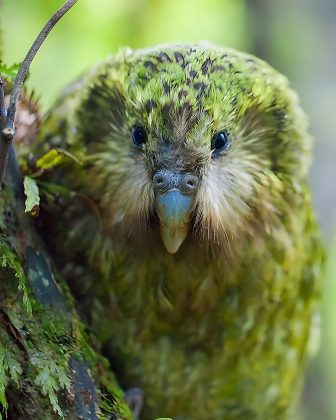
pixel 196 138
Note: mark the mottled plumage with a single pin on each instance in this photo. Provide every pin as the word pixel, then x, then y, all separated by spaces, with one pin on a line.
pixel 220 329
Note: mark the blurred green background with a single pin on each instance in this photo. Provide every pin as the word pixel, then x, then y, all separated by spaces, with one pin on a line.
pixel 295 36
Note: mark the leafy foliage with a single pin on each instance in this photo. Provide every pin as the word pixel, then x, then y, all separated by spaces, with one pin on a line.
pixel 9 368
pixel 33 197
pixel 9 72
pixel 53 158
pixel 51 378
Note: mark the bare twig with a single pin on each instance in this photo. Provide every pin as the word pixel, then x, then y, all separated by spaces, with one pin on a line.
pixel 3 121
pixel 3 110
pixel 8 131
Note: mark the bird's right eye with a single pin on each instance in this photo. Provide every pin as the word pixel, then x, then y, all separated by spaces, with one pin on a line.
pixel 139 136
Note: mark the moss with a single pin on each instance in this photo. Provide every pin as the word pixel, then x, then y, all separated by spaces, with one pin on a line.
pixel 38 341
pixel 9 259
pixel 111 397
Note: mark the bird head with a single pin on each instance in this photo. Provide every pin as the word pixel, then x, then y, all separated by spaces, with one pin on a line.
pixel 193 140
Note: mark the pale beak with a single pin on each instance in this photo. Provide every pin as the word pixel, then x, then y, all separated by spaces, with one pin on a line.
pixel 174 211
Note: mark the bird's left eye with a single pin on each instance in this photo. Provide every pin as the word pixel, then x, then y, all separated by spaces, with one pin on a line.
pixel 220 142
pixel 139 136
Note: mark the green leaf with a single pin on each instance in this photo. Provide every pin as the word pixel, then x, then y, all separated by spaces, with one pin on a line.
pixel 54 157
pixel 69 155
pixel 51 189
pixel 9 72
pixel 33 197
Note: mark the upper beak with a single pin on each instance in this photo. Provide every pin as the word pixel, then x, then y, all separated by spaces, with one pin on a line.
pixel 174 197
pixel 174 210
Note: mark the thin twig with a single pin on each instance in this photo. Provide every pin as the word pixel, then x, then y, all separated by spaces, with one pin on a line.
pixel 9 131
pixel 24 68
pixel 3 109
pixel 3 120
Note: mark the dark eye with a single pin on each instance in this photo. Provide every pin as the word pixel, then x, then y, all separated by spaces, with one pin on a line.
pixel 220 142
pixel 139 136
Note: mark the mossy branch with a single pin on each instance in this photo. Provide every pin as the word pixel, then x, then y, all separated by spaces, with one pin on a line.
pixel 8 117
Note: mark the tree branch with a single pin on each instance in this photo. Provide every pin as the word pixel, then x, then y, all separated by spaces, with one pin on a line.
pixel 8 131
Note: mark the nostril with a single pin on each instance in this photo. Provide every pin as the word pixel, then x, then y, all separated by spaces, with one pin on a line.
pixel 190 183
pixel 159 181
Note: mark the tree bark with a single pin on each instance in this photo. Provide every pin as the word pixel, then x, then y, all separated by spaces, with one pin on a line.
pixel 48 365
